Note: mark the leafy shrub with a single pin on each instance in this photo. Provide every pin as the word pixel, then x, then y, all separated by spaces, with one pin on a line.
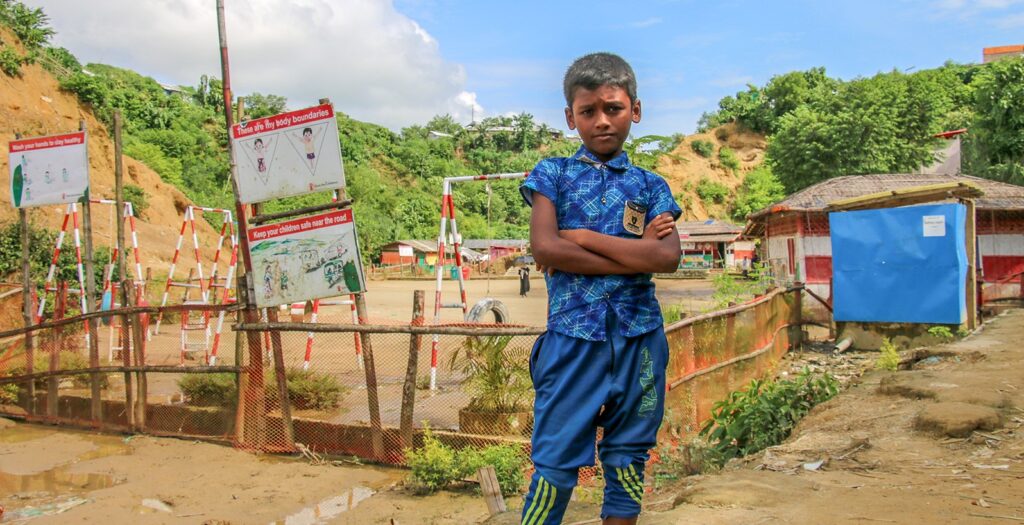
pixel 710 191
pixel 496 378
pixel 309 389
pixel 728 158
pixel 508 462
pixel 941 332
pixel 703 148
pixel 731 289
pixel 31 25
pixel 63 58
pixel 962 332
pixel 10 61
pixel 763 414
pixel 89 89
pixel 209 389
pixel 136 196
pixel 760 189
pixel 434 465
pixel 890 358
pixel 9 394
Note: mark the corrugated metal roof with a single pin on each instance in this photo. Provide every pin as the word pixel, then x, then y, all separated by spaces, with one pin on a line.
pixel 998 195
pixel 726 237
pixel 431 247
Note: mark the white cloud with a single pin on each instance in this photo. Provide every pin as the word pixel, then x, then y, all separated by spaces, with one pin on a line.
pixel 653 21
pixel 372 61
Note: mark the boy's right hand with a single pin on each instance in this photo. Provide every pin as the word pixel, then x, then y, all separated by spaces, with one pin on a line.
pixel 659 227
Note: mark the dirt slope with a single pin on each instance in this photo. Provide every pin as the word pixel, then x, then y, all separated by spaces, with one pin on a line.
pixel 684 169
pixel 34 105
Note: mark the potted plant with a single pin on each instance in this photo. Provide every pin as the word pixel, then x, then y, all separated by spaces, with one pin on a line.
pixel 498 379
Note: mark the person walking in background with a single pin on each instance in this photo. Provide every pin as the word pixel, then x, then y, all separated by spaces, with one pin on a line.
pixel 524 281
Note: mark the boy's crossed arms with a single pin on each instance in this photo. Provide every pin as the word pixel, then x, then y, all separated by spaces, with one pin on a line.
pixel 587 252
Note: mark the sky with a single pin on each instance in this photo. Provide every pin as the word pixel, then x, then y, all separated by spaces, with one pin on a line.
pixel 400 62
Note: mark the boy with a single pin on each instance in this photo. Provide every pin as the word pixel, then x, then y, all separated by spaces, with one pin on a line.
pixel 601 227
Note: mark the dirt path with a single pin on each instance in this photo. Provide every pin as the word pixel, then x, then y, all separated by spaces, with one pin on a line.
pixel 941 443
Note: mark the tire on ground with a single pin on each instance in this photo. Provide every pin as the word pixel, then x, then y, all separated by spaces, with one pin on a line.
pixel 480 310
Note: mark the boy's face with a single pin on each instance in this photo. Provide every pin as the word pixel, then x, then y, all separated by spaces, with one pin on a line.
pixel 603 117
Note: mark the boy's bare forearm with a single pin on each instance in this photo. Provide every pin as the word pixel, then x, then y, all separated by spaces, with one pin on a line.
pixel 567 256
pixel 639 255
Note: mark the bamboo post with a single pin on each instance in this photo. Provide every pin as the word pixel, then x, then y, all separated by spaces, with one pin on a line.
pixel 491 490
pixel 409 388
pixel 96 410
pixel 255 366
pixel 972 264
pixel 371 381
pixel 26 311
pixel 796 321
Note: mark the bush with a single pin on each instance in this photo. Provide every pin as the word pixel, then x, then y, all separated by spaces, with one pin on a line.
pixel 890 358
pixel 309 389
pixel 710 191
pixel 672 313
pixel 136 196
pixel 728 158
pixel 508 462
pixel 434 465
pixel 703 148
pixel 763 414
pixel 941 332
pixel 9 394
pixel 10 61
pixel 209 389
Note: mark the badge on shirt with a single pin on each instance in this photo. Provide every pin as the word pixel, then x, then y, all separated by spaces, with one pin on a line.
pixel 633 217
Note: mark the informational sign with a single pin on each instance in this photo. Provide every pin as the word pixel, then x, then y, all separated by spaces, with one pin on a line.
pixel 288 154
pixel 307 258
pixel 934 225
pixel 405 251
pixel 49 170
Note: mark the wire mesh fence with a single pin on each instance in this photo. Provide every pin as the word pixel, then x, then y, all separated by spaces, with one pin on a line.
pixel 338 387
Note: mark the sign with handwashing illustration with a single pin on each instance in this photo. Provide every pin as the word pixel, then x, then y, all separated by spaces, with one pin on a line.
pixel 288 154
pixel 308 258
pixel 48 170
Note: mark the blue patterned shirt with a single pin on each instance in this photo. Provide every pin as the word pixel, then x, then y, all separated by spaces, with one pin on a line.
pixel 590 194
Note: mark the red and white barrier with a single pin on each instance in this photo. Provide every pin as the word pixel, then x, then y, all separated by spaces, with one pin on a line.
pixel 448 216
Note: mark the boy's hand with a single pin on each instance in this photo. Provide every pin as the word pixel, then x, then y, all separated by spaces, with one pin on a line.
pixel 659 227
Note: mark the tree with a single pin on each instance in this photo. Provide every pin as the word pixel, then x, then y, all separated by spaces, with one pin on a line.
pixel 759 190
pixel 996 137
pixel 258 105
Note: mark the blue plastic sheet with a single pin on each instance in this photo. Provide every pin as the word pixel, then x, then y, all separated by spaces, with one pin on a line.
pixel 903 265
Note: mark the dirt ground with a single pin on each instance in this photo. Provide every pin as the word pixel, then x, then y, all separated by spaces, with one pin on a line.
pixel 939 443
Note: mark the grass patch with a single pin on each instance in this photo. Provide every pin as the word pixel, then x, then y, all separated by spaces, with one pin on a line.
pixel 207 390
pixel 436 465
pixel 309 390
pixel 703 148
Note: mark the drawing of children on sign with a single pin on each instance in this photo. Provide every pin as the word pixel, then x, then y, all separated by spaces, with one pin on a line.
pixel 284 280
pixel 261 153
pixel 268 281
pixel 64 174
pixel 307 138
pixel 47 177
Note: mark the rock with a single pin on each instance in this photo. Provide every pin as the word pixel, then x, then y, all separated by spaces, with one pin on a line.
pixel 957 419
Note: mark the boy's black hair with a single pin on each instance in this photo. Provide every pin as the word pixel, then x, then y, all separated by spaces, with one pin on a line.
pixel 599 69
pixel 257 141
pixel 304 130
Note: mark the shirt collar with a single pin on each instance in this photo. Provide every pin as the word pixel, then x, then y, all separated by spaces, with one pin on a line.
pixel 619 163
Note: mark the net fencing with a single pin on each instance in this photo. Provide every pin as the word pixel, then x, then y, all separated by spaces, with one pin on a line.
pixel 351 389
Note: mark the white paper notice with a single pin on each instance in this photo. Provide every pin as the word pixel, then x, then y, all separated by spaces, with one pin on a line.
pixel 934 225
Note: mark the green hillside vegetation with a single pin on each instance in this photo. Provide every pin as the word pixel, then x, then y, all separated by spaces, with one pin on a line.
pixel 821 127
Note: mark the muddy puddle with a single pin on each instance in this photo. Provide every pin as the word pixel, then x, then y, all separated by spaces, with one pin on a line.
pixel 28 491
pixel 329 508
